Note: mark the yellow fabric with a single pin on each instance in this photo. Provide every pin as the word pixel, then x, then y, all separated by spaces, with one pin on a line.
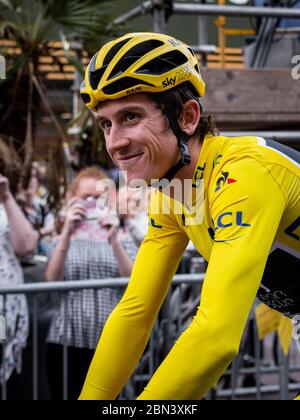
pixel 268 320
pixel 285 334
pixel 248 211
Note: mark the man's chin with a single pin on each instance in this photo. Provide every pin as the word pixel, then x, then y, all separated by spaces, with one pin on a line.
pixel 132 177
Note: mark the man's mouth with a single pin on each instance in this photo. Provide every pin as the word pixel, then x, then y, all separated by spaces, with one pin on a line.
pixel 129 158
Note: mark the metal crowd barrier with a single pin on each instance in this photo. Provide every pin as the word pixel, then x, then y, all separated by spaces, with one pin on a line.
pixel 174 317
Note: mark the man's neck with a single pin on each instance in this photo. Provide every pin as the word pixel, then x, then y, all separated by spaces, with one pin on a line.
pixel 187 172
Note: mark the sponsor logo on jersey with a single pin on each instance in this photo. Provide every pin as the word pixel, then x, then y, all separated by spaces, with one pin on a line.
pixel 153 224
pixel 226 220
pixel 224 180
pixel 277 300
pixel 198 176
pixel 229 219
pixel 217 160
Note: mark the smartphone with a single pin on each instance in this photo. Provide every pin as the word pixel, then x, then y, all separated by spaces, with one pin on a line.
pixel 90 228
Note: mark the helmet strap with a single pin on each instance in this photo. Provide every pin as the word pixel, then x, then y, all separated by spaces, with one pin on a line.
pixel 182 138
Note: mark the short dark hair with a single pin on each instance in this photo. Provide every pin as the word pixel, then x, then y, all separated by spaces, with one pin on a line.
pixel 178 96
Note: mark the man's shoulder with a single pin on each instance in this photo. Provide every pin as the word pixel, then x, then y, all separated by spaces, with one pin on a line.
pixel 221 150
pixel 237 158
pixel 245 150
pixel 233 145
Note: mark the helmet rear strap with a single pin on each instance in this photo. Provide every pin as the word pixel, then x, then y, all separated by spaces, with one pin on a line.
pixel 182 138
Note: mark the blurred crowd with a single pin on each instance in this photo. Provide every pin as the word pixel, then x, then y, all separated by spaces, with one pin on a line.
pixel 94 233
pixel 89 238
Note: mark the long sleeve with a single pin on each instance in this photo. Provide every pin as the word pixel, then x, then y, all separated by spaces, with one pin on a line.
pixel 128 328
pixel 246 216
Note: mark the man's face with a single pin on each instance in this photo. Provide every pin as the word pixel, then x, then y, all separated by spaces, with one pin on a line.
pixel 136 137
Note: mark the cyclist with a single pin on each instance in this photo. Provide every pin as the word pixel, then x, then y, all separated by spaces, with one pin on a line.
pixel 146 90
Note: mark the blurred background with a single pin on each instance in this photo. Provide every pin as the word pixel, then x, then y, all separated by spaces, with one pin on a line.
pixel 249 52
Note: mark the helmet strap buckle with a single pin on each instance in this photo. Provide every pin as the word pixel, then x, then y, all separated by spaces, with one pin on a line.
pixel 185 153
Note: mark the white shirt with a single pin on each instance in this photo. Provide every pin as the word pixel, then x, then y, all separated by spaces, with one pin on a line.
pixel 15 310
pixel 80 316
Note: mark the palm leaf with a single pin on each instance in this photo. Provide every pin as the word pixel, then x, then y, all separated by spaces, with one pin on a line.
pixel 6 4
pixel 32 24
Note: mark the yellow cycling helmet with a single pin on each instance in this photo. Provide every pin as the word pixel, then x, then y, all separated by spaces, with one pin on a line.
pixel 139 62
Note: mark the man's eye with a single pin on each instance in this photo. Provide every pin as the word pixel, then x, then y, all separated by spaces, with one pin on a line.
pixel 130 117
pixel 105 125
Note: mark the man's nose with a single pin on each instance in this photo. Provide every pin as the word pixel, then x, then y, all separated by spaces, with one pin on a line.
pixel 116 140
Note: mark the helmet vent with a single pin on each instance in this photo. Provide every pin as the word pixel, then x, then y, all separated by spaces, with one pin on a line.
pixel 95 77
pixel 192 52
pixel 133 55
pixel 123 84
pixel 96 74
pixel 114 50
pixel 86 98
pixel 163 64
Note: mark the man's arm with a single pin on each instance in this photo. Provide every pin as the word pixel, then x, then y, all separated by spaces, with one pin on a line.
pixel 246 216
pixel 128 328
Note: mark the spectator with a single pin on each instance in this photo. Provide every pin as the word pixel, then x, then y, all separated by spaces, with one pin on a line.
pixel 103 253
pixel 16 237
pixel 31 205
pixel 36 210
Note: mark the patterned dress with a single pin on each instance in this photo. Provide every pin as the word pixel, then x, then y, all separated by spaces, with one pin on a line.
pixel 13 308
pixel 80 316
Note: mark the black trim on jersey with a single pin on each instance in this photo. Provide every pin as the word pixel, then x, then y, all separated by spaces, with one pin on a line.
pixel 282 280
pixel 288 151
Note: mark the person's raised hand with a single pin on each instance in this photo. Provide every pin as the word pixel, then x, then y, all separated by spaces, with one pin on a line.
pixel 112 223
pixel 4 189
pixel 74 214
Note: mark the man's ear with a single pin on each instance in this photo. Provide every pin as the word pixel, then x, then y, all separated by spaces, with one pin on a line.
pixel 190 117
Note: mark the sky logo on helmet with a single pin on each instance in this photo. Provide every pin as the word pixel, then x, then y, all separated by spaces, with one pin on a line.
pixel 182 74
pixel 169 82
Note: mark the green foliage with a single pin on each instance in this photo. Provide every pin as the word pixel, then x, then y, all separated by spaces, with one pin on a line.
pixel 32 24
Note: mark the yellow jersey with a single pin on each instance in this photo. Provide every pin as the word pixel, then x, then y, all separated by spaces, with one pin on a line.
pixel 250 236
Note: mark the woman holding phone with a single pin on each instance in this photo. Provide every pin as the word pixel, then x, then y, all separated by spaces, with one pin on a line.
pixel 88 248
